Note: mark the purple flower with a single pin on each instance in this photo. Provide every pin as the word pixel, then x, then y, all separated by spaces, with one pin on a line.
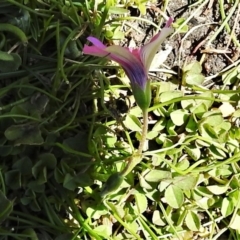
pixel 135 62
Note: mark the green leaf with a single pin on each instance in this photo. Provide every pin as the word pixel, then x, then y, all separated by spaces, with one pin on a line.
pixel 179 117
pixel 170 128
pixel 58 175
pixel 207 103
pixel 112 184
pixel 23 165
pixel 157 219
pixel 199 110
pixel 192 221
pixel 170 95
pixel 174 196
pixel 4 56
pixel 234 183
pixel 31 233
pixel 13 179
pixel 167 87
pixel 183 165
pixel 218 189
pixel 203 203
pixel 152 135
pixel 6 150
pixel 234 224
pixel 191 126
pixel 207 131
pixel 227 207
pixel 187 104
pixel 213 118
pixel 48 160
pixel 192 74
pixel 78 143
pixel 9 61
pixel 143 183
pixel 193 152
pixel 141 202
pixel 193 78
pixel 69 182
pixel 39 171
pixel 22 20
pixel 39 103
pixel 187 182
pixel 176 24
pixel 217 153
pixel 236 114
pixel 230 76
pixel 118 10
pixel 96 211
pixel 141 7
pixel 203 191
pixel 164 184
pixel 6 207
pixel 36 187
pixel 26 134
pixel 157 175
pixel 83 180
pixel 103 230
pixel 160 125
pixel 133 123
pixel 193 67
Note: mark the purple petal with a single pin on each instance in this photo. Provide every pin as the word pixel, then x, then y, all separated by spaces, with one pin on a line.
pixel 130 63
pixel 149 50
pixel 169 22
pixel 129 59
pixel 96 42
pixel 97 50
pixel 94 51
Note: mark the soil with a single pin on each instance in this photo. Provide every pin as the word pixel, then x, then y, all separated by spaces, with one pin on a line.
pixel 219 54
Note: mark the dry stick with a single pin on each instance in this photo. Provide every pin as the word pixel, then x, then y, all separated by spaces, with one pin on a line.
pixel 212 50
pixel 188 33
pixel 199 45
pixel 223 71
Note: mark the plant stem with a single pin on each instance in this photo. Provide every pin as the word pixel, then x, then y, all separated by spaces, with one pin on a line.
pixel 136 158
pixel 144 132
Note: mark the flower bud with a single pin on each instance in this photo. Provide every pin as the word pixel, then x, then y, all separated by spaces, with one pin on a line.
pixel 112 184
pixel 142 96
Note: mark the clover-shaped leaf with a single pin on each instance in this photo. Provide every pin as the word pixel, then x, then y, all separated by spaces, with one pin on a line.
pixel 26 134
pixel 174 196
pixel 6 207
pixel 9 61
pixel 192 74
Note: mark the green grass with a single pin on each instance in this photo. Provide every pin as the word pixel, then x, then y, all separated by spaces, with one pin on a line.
pixel 62 136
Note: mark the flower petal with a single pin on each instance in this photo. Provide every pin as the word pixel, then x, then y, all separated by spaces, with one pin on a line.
pixel 94 51
pixel 96 42
pixel 149 50
pixel 129 59
pixel 97 50
pixel 130 63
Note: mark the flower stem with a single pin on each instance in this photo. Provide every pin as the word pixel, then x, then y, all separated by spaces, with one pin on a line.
pixel 137 157
pixel 144 132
